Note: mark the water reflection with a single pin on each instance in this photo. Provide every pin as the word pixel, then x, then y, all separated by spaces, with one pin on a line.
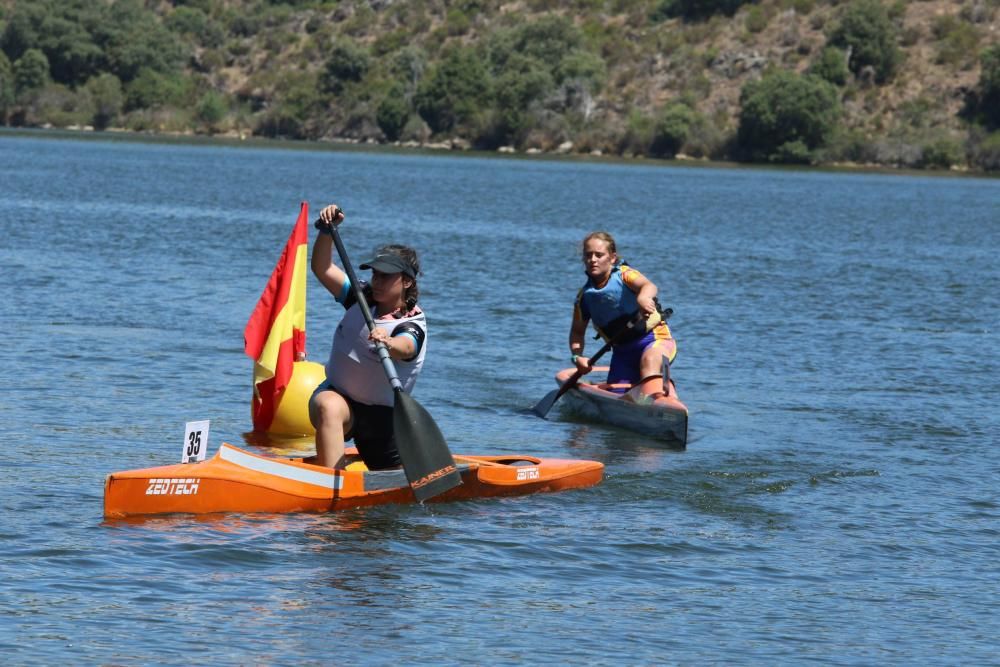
pixel 615 447
pixel 281 445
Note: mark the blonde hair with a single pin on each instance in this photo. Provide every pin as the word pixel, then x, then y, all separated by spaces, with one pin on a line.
pixel 600 236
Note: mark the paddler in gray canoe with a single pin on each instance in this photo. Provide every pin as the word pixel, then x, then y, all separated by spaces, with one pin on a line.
pixel 356 399
pixel 614 295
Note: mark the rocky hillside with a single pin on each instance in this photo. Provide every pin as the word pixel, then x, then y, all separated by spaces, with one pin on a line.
pixel 913 84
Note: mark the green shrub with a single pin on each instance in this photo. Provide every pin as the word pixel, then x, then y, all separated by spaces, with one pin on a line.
pixel 831 65
pixel 133 38
pixel 523 81
pixel 393 113
pixel 454 90
pixel 388 42
pixel 279 123
pixel 756 19
pixel 151 89
pixel 941 153
pixel 984 150
pixel 785 108
pixel 639 132
pixel 865 29
pixel 408 66
pixel 457 21
pixel 211 109
pixel 793 152
pixel 23 30
pixel 957 41
pixel 347 62
pixel 57 105
pixel 298 94
pixel 695 10
pixel 31 71
pixel 549 40
pixel 194 22
pixel 989 87
pixel 245 25
pixel 801 7
pixel 672 129
pixel 580 65
pixel 105 91
pixel 916 113
pixel 7 87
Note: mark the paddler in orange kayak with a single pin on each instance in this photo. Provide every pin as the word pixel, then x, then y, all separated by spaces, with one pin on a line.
pixel 356 399
pixel 614 295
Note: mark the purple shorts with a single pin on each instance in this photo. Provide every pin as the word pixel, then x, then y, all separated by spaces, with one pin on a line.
pixel 625 362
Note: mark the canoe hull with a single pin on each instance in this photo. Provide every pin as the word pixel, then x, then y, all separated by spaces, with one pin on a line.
pixel 666 419
pixel 235 480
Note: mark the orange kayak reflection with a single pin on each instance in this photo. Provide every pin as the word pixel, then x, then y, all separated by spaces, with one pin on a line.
pixel 235 480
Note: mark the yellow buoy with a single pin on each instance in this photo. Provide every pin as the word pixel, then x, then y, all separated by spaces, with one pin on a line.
pixel 291 416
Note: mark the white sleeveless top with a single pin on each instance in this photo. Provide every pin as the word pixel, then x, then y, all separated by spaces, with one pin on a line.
pixel 354 367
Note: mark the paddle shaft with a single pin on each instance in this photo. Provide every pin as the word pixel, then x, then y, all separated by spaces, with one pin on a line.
pixel 383 351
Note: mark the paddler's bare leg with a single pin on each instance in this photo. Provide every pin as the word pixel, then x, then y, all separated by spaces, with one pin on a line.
pixel 331 416
pixel 651 372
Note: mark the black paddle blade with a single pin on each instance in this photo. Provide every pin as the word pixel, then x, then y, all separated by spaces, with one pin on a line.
pixel 543 406
pixel 427 461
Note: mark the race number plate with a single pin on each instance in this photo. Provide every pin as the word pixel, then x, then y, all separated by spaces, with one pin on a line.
pixel 195 442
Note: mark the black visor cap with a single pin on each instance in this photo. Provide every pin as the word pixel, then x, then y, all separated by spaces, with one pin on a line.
pixel 390 263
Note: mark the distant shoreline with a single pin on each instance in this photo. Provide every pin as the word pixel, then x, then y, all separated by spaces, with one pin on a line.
pixel 442 149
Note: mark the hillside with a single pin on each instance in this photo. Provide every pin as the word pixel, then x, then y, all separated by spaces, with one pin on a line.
pixel 913 84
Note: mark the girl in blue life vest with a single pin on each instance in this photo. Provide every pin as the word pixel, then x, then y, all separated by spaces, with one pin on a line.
pixel 613 296
pixel 356 398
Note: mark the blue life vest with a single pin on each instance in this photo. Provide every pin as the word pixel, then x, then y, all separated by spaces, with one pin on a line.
pixel 610 306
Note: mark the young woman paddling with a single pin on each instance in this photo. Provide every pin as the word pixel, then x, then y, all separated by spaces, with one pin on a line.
pixel 356 398
pixel 614 295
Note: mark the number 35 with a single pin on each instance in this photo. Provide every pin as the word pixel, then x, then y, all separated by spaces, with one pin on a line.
pixel 194 443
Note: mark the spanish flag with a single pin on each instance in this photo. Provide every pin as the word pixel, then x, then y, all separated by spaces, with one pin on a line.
pixel 275 336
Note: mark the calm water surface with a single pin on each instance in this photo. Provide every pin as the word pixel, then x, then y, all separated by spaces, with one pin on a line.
pixel 839 500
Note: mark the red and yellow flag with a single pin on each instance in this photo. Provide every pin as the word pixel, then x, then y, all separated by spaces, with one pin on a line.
pixel 275 336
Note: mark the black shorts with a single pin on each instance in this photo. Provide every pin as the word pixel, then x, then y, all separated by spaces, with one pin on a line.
pixel 372 432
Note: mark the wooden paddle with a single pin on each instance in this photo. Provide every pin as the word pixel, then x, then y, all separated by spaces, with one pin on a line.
pixel 543 406
pixel 427 461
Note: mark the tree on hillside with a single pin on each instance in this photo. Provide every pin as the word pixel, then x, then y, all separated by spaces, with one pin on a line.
pixel 454 90
pixel 524 81
pixel 346 63
pixel 81 39
pixel 695 10
pixel 31 71
pixel 989 87
pixel 831 65
pixel 785 117
pixel 134 39
pixel 392 113
pixel 6 87
pixel 867 31
pixel 106 96
pixel 672 129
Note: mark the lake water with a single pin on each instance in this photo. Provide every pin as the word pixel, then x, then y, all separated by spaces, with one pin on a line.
pixel 838 501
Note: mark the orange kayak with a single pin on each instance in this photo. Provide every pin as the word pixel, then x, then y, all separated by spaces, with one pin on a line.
pixel 235 480
pixel 665 419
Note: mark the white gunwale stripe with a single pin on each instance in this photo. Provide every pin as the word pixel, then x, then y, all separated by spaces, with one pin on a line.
pixel 279 469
